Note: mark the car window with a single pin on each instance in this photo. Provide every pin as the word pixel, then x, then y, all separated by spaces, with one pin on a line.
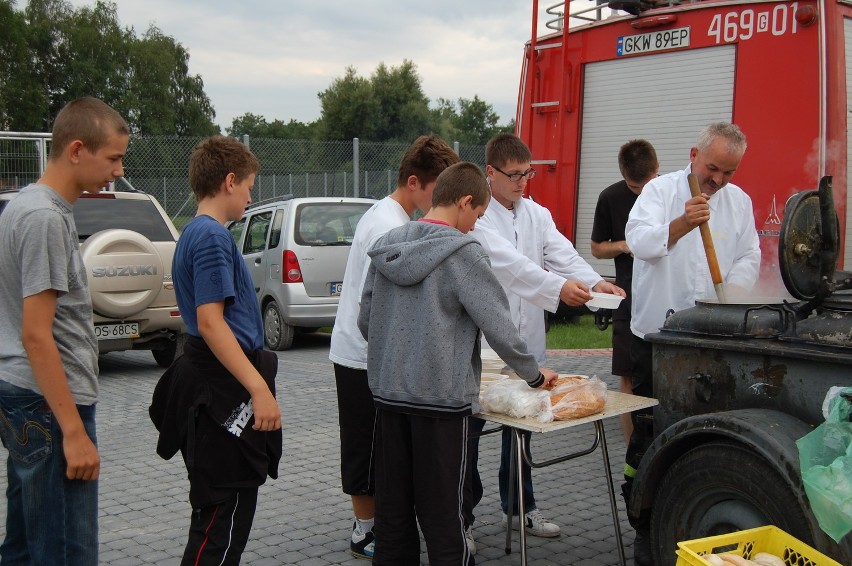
pixel 256 234
pixel 95 214
pixel 328 224
pixel 275 233
pixel 236 230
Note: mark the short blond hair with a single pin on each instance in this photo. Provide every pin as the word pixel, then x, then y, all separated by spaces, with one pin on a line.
pixel 89 120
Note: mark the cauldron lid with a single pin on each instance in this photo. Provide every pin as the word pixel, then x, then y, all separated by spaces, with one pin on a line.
pixel 805 245
pixel 756 300
pixel 762 320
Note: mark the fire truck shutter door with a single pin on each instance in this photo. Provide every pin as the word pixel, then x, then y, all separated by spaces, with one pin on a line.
pixel 665 98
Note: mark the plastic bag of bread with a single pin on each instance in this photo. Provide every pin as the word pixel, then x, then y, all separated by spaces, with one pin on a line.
pixel 577 396
pixel 513 397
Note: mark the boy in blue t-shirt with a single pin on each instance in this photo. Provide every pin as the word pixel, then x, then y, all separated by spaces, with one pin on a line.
pixel 232 439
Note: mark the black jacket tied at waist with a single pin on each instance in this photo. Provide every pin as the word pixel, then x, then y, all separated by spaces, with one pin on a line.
pixel 201 409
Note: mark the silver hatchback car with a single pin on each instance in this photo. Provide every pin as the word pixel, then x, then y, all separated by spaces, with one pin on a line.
pixel 296 250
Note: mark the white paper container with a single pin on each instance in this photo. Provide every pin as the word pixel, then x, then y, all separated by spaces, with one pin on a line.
pixel 604 300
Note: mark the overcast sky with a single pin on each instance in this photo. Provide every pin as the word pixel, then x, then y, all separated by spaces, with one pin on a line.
pixel 272 57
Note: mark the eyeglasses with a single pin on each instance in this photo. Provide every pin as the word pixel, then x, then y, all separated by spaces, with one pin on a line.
pixel 529 174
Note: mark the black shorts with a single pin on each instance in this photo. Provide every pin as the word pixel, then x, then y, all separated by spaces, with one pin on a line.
pixel 621 339
pixel 642 368
pixel 357 418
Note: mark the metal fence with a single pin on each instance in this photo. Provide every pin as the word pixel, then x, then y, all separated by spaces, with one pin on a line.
pixel 158 165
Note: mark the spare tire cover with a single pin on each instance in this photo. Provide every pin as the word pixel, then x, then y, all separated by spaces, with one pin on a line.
pixel 125 272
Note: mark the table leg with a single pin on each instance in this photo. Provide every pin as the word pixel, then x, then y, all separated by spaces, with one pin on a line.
pixel 619 543
pixel 513 470
pixel 519 473
pixel 516 481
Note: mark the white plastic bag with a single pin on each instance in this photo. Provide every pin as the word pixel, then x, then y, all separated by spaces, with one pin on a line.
pixel 514 398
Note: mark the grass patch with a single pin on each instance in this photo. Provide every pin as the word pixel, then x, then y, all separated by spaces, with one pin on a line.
pixel 580 334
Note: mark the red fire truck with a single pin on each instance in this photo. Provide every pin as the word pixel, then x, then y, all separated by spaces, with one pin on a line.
pixel 732 405
pixel 602 77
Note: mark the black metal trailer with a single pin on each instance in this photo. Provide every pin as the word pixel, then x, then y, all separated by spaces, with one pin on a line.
pixel 738 384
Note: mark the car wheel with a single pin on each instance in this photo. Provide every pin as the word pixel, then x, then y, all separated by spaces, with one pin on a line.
pixel 165 356
pixel 719 488
pixel 277 334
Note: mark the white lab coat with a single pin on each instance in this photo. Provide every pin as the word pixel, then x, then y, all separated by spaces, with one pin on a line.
pixel 532 260
pixel 674 278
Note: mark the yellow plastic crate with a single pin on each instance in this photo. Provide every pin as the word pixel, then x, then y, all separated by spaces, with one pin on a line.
pixel 747 543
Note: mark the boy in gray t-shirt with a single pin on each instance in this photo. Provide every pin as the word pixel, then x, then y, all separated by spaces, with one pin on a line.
pixel 49 357
pixel 38 215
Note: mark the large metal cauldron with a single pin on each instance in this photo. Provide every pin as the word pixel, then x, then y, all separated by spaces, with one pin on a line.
pixel 752 317
pixel 768 352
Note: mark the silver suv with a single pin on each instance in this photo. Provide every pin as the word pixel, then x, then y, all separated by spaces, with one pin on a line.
pixel 296 250
pixel 127 243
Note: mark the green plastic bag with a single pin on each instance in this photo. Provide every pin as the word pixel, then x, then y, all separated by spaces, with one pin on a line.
pixel 825 458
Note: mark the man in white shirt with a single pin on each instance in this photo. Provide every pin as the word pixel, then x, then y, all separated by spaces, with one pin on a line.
pixel 670 265
pixel 419 169
pixel 538 267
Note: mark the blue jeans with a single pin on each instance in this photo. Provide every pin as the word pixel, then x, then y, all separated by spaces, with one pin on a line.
pixel 503 475
pixel 50 520
pixel 474 491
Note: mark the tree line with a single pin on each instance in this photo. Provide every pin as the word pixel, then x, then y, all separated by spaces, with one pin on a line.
pixel 389 106
pixel 51 53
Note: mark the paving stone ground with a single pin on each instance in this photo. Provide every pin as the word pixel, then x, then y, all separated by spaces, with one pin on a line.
pixel 303 518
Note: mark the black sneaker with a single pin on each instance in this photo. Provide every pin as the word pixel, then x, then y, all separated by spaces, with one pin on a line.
pixel 642 555
pixel 362 545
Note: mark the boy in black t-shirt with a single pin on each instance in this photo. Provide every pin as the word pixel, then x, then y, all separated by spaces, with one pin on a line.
pixel 637 161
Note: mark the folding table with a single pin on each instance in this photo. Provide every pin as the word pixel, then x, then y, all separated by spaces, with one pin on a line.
pixel 616 404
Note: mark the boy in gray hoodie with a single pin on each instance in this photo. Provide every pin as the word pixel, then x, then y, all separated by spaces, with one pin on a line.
pixel 428 293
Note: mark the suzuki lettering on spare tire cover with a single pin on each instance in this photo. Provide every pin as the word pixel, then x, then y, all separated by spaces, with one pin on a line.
pixel 125 272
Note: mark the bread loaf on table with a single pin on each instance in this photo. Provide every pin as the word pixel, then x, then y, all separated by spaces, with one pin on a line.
pixel 566 380
pixel 575 396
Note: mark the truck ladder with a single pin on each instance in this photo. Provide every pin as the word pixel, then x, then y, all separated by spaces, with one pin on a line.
pixel 592 11
pixel 584 11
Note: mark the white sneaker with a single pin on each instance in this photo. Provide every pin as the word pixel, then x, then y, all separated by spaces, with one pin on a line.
pixel 362 545
pixel 536 524
pixel 471 544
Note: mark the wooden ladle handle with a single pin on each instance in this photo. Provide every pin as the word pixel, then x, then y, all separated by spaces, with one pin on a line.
pixel 706 237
